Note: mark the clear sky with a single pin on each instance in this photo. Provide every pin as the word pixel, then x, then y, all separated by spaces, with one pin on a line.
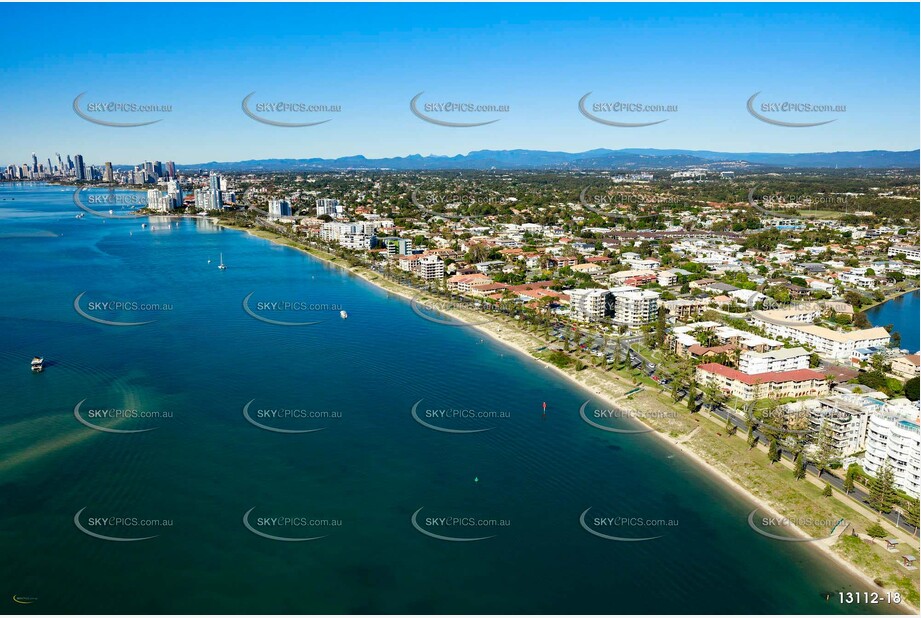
pixel 371 59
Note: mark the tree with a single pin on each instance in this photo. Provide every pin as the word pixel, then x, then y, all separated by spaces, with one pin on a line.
pixel 773 451
pixel 799 465
pixel 827 491
pixel 824 449
pixel 896 339
pixel 911 512
pixel 849 480
pixel 752 437
pixel 861 320
pixel 730 426
pixel 659 336
pixel 876 530
pixel 692 397
pixel 854 299
pixel 882 491
pixel 911 389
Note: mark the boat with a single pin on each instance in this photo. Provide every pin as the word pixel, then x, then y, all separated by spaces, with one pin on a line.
pixel 38 364
pixel 222 266
pixel 343 314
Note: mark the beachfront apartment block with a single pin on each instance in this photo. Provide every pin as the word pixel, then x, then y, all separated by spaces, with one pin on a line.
pixel 431 267
pixel 633 307
pixel 165 201
pixel 784 359
pixel 750 387
pixel 796 325
pixel 841 422
pixel 589 305
pixel 894 437
pixel 911 252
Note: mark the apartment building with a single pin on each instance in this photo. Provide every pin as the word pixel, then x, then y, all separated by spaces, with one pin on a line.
pixel 912 252
pixel 830 343
pixel 633 307
pixel 589 305
pixel 784 359
pixel 894 437
pixel 431 267
pixel 750 387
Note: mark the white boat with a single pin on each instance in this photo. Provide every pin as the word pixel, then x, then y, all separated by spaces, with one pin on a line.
pixel 343 314
pixel 38 364
pixel 222 266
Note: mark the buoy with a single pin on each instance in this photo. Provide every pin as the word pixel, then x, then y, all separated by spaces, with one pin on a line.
pixel 476 479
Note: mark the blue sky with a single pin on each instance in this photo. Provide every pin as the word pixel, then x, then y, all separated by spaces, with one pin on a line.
pixel 539 59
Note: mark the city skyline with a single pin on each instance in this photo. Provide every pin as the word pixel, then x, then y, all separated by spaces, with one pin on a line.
pixel 367 66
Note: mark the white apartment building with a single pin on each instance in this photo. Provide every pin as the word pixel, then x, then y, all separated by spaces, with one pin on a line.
pixel 894 437
pixel 912 253
pixel 333 232
pixel 358 241
pixel 785 324
pixel 431 267
pixel 588 305
pixel 857 280
pixel 844 420
pixel 165 202
pixel 784 359
pixel 633 307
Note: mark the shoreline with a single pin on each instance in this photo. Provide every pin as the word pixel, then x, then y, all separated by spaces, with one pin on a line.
pixel 681 443
pixel 888 298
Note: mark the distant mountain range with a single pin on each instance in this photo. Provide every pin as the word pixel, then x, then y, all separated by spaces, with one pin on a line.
pixel 599 159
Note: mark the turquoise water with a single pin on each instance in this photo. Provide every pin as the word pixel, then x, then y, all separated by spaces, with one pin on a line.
pixel 363 475
pixel 903 313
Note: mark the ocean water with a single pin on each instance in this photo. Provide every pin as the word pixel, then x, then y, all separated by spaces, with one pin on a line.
pixel 902 312
pixel 356 483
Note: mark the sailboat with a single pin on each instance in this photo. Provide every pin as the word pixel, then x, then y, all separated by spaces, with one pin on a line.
pixel 222 266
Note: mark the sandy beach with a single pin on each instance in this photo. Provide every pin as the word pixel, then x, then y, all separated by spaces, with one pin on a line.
pixel 609 388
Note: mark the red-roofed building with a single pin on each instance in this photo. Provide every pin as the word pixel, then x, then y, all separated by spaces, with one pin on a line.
pixel 774 384
pixel 464 283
